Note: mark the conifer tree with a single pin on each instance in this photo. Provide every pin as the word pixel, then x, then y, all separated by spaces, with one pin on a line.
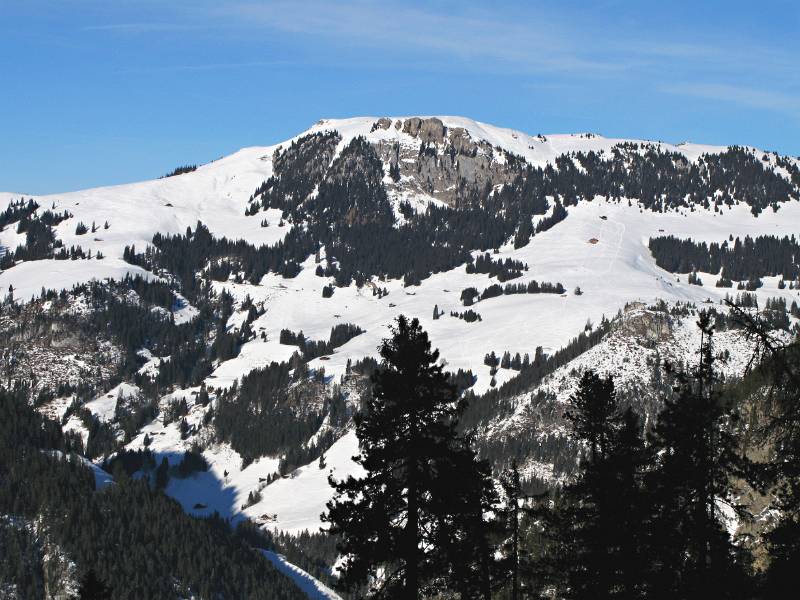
pixel 779 364
pixel 594 533
pixel 93 588
pixel 589 572
pixel 162 474
pixel 413 525
pixel 628 530
pixel 514 554
pixel 593 413
pixel 691 551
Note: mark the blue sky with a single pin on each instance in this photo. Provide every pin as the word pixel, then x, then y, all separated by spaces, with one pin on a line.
pixel 102 92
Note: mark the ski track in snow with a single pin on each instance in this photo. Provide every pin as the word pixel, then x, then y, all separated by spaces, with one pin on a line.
pixel 308 584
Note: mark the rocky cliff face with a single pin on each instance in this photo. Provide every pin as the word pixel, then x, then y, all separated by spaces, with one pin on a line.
pixel 639 345
pixel 445 163
pixel 45 347
pixel 48 568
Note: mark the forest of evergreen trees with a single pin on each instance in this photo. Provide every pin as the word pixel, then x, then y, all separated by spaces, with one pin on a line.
pixel 265 414
pixel 502 269
pixel 471 295
pixel 40 240
pixel 734 259
pixel 136 541
pixel 180 171
pixel 340 335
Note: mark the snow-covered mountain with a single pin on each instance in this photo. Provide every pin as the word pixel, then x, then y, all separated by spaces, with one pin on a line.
pixel 357 221
pixel 614 269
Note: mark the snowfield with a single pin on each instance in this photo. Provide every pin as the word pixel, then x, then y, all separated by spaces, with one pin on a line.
pixel 615 270
pixel 298 500
pixel 312 587
pixel 218 192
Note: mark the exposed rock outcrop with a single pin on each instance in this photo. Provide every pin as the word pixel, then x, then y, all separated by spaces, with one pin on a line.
pixel 447 165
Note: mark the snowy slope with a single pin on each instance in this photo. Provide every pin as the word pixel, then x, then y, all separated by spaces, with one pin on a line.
pixel 617 269
pixel 291 504
pixel 217 194
pixel 297 501
pixel 641 341
pixel 312 587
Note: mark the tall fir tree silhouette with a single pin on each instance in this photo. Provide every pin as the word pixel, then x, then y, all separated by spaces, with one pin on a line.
pixel 589 500
pixel 593 413
pixel 777 365
pixel 628 531
pixel 593 533
pixel 515 566
pixel 698 457
pixel 413 526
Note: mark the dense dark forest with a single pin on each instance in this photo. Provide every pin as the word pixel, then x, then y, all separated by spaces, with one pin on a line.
pixel 502 269
pixel 135 540
pixel 471 295
pixel 733 259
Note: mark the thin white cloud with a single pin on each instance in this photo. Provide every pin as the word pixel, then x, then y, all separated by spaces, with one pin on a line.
pixel 210 66
pixel 744 96
pixel 468 36
pixel 531 40
pixel 140 27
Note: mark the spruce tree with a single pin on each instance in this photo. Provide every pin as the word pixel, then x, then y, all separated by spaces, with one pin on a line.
pixel 589 500
pixel 779 365
pixel 413 525
pixel 467 495
pixel 594 532
pixel 628 530
pixel 514 565
pixel 593 413
pixel 93 588
pixel 697 458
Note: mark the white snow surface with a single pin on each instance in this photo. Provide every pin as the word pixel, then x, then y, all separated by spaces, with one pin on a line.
pixel 293 503
pixel 297 501
pixel 617 269
pixel 308 584
pixel 535 149
pixel 28 278
pixel 103 406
